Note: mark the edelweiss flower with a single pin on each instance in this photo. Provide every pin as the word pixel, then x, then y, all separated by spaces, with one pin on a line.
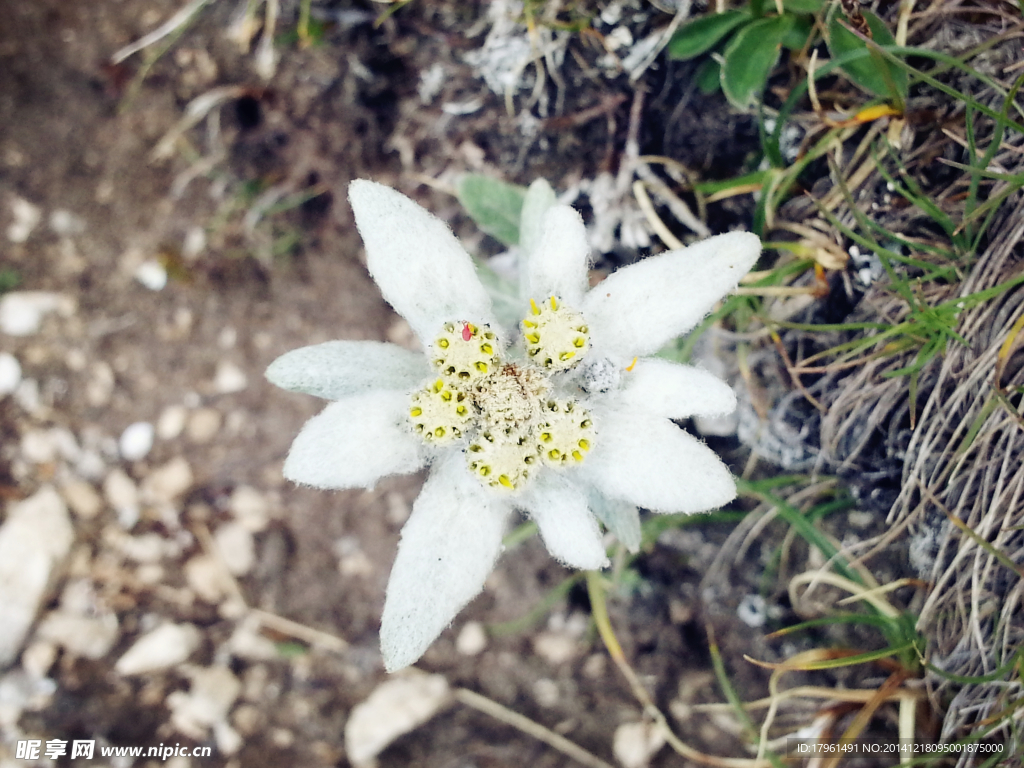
pixel 564 418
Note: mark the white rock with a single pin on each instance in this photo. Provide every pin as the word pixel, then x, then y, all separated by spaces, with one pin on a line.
pixel 236 547
pixel 229 378
pixel 89 636
pixel 100 385
pixel 21 690
pixel 171 422
pixel 82 498
pixel 203 576
pixel 753 611
pixel 27 396
pixel 26 218
pixel 22 312
pixel 555 647
pixel 147 548
pixel 395 707
pixel 213 691
pixel 121 494
pixel 37 447
pixel 38 657
pixel 248 643
pixel 152 274
pixel 250 508
pixel 165 646
pixel 167 483
pixel 203 425
pixel 635 744
pixel 34 541
pixel 136 441
pixel 229 741
pixel 65 223
pixel 10 373
pixel 472 639
pixel 545 692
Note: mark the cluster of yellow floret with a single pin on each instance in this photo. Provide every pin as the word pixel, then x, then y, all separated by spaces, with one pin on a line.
pixel 504 409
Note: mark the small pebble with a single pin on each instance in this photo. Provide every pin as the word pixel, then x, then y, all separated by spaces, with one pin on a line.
pixel 210 697
pixel 229 378
pixel 38 658
pixel 165 646
pixel 10 373
pixel 752 611
pixel 22 312
pixel 395 707
pixel 167 483
pixel 65 223
pixel 91 637
pixel 152 274
pixel 206 578
pixel 171 422
pixel 100 386
pixel 545 692
pixel 250 508
pixel 26 218
pixel 236 547
pixel 634 744
pixel 136 441
pixel 472 639
pixel 121 491
pixel 82 498
pixel 203 425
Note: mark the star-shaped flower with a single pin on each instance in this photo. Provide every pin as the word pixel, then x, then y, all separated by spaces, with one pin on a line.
pixel 565 418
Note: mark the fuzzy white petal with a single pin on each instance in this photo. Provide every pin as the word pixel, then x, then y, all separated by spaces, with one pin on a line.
pixel 663 388
pixel 337 369
pixel 651 462
pixel 569 530
pixel 449 545
pixel 619 517
pixel 540 197
pixel 419 265
pixel 636 310
pixel 354 442
pixel 558 265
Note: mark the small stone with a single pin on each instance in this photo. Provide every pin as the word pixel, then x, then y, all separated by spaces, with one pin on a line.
pixel 229 378
pixel 152 274
pixel 27 396
pixel 545 692
pixel 247 642
pixel 555 648
pixel 472 639
pixel 210 697
pixel 65 223
pixel 205 577
pixel 34 540
pixel 236 547
pixel 634 744
pixel 37 658
pixel 10 373
pixel 395 707
pixel 26 218
pixel 22 312
pixel 147 548
pixel 100 386
pixel 136 441
pixel 229 741
pixel 165 646
pixel 121 494
pixel 82 498
pixel 171 422
pixel 37 447
pixel 250 508
pixel 752 611
pixel 91 637
pixel 203 425
pixel 167 483
pixel 352 560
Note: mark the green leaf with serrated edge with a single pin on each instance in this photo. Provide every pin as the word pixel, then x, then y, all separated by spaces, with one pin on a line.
pixel 872 73
pixel 803 6
pixel 703 34
pixel 750 57
pixel 494 205
pixel 708 76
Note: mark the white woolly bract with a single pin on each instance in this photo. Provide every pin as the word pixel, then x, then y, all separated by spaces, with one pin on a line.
pixel 354 442
pixel 650 462
pixel 558 265
pixel 663 388
pixel 569 530
pixel 419 265
pixel 637 310
pixel 337 369
pixel 540 197
pixel 449 545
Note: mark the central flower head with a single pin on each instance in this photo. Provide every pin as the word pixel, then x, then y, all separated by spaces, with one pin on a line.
pixel 504 409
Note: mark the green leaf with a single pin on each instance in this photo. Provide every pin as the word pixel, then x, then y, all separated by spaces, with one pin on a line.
pixel 705 33
pixel 750 57
pixel 803 6
pixel 494 205
pixel 797 36
pixel 708 76
pixel 872 73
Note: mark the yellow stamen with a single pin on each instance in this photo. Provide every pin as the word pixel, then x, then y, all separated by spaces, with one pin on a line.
pixel 534 308
pixel 554 303
pixel 505 481
pixel 630 367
